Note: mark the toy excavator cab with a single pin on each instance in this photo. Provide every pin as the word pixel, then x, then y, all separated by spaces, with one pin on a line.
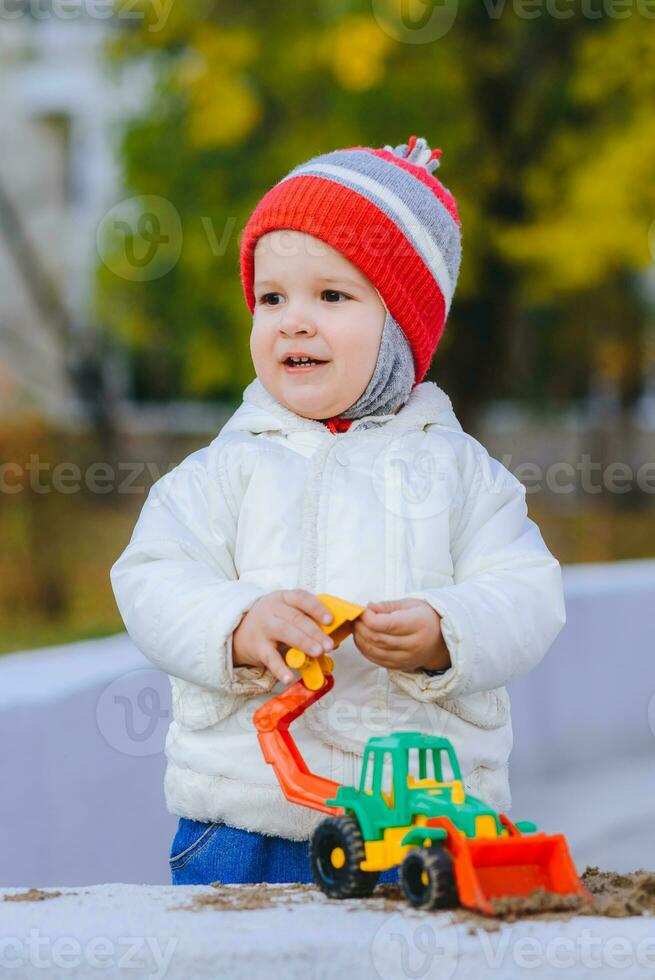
pixel 437 768
pixel 378 777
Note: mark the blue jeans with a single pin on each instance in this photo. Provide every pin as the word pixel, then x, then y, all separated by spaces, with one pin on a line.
pixel 205 852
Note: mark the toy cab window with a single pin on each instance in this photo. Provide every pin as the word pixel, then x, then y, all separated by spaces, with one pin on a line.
pixel 369 763
pixel 387 778
pixel 421 765
pixel 445 770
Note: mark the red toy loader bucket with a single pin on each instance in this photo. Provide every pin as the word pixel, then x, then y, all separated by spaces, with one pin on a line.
pixel 509 867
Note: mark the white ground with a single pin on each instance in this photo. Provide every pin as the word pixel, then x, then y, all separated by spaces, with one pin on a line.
pixel 138 931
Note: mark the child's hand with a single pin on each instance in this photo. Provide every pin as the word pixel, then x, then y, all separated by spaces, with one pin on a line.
pixel 402 634
pixel 287 618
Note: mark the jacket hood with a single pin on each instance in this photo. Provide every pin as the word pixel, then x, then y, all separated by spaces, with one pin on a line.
pixel 259 412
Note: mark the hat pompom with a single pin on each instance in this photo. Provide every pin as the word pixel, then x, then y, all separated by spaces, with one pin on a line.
pixel 418 152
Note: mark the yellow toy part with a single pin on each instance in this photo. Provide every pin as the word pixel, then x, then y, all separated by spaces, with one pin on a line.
pixel 457 794
pixel 485 826
pixel 456 786
pixel 388 852
pixel 313 669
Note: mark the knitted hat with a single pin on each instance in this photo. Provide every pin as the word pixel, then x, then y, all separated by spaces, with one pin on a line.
pixel 385 211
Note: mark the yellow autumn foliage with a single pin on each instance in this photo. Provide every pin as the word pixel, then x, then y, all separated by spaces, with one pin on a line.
pixel 601 219
pixel 592 195
pixel 355 49
pixel 619 58
pixel 223 104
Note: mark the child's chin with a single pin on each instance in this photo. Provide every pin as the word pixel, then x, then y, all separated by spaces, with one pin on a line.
pixel 310 411
pixel 309 408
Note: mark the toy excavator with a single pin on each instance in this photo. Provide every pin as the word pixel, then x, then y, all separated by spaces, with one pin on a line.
pixel 409 810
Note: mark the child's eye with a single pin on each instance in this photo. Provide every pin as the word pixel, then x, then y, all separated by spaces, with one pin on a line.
pixel 274 299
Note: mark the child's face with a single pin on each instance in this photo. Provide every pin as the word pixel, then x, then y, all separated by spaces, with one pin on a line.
pixel 311 300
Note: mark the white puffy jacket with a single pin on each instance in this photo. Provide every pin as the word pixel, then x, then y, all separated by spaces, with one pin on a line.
pixel 399 505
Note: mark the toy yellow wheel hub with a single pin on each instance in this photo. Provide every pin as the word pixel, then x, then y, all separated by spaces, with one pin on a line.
pixel 424 878
pixel 338 857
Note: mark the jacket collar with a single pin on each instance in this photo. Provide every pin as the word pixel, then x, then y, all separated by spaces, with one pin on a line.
pixel 259 412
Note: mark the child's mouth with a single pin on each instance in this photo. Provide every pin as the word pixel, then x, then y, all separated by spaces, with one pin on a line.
pixel 302 368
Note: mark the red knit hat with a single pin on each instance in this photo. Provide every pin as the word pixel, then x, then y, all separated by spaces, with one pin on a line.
pixel 384 211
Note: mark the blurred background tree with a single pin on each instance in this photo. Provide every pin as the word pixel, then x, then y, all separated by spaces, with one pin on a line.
pixel 548 137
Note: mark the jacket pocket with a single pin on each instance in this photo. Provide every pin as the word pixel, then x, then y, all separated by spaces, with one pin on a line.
pixel 484 709
pixel 490 785
pixel 190 840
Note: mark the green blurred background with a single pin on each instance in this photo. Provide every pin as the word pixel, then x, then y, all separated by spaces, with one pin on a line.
pixel 548 134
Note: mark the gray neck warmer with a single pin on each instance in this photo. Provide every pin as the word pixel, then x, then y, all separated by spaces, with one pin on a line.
pixel 393 377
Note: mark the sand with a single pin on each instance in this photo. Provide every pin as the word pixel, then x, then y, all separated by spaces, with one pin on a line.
pixel 613 895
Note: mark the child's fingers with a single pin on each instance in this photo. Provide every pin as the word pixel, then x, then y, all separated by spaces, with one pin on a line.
pixel 390 605
pixel 302 632
pixel 270 658
pixel 383 640
pixel 371 650
pixel 398 622
pixel 308 603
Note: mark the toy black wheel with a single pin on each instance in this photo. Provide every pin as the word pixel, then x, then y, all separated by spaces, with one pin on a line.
pixel 336 852
pixel 427 879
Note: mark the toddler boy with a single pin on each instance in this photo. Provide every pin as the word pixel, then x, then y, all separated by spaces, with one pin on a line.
pixel 342 472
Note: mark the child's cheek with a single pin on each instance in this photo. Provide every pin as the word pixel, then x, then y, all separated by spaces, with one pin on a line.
pixel 261 352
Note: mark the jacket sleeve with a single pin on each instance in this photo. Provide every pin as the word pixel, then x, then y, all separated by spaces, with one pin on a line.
pixel 176 585
pixel 506 605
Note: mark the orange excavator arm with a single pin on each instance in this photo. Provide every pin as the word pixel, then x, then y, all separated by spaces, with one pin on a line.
pixel 273 718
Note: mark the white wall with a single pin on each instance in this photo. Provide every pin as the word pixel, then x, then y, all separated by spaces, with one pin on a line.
pixel 584 720
pixel 82 798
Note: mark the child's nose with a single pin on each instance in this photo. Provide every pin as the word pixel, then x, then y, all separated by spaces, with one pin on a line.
pixel 295 322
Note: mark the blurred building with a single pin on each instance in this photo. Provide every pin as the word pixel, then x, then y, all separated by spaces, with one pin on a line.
pixel 62 108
